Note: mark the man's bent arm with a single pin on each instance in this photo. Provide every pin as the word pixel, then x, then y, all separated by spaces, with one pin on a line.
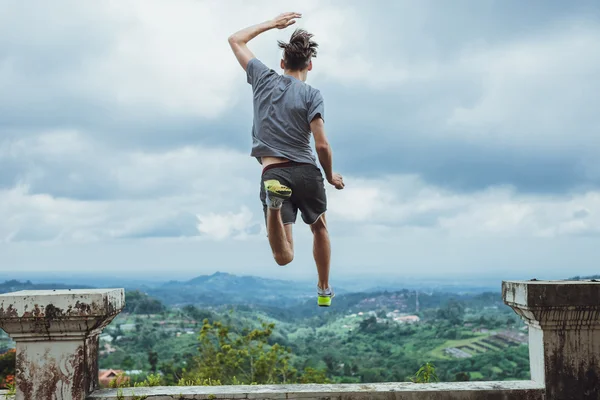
pixel 238 41
pixel 323 148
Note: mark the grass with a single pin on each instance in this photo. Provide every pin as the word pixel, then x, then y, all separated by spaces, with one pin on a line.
pixel 476 376
pixel 480 347
pixel 335 327
pixel 439 353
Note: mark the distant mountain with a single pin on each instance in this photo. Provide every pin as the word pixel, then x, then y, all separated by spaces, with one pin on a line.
pixel 223 288
pixel 206 290
pixel 15 286
pixel 585 278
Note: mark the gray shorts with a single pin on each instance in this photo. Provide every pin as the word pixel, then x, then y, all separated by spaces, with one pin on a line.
pixel 308 191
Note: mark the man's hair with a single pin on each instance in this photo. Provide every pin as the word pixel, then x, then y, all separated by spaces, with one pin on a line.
pixel 299 51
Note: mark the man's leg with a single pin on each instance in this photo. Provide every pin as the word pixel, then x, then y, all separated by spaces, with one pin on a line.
pixel 278 210
pixel 321 250
pixel 280 237
pixel 311 199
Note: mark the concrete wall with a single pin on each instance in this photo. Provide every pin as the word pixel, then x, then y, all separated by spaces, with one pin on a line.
pixel 524 390
pixel 57 348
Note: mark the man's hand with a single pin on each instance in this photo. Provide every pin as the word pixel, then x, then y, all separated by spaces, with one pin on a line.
pixel 337 181
pixel 238 40
pixel 284 20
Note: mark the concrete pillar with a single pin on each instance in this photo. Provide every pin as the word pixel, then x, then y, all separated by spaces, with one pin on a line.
pixel 56 332
pixel 564 334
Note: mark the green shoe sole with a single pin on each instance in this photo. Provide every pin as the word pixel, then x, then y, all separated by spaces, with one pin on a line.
pixel 324 301
pixel 276 189
pixel 281 195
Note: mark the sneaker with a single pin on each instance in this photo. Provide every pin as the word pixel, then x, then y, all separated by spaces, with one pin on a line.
pixel 276 193
pixel 324 296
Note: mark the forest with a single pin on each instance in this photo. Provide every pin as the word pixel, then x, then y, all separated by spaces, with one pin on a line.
pixel 366 337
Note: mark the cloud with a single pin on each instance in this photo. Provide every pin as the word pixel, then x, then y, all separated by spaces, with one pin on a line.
pixel 505 106
pixel 130 55
pixel 526 88
pixel 38 217
pixel 519 112
pixel 222 226
pixel 458 127
pixel 367 207
pixel 130 58
pixel 68 187
pixel 401 203
pixel 76 165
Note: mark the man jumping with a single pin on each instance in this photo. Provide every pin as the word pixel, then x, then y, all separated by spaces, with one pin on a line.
pixel 286 111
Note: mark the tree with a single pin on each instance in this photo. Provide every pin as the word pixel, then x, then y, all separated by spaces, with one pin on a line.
pixel 141 303
pixel 147 338
pixel 7 368
pixel 368 325
pixel 425 374
pixel 462 377
pixel 330 362
pixel 312 375
pixel 196 313
pixel 243 358
pixel 453 312
pixel 128 363
pixel 153 360
pixel 347 369
pixel 115 333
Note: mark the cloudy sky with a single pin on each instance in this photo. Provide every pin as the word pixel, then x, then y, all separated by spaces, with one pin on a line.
pixel 467 132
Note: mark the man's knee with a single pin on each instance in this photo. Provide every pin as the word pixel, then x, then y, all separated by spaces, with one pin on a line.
pixel 319 226
pixel 284 257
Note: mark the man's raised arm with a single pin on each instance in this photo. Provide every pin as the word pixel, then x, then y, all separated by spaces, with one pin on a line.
pixel 238 41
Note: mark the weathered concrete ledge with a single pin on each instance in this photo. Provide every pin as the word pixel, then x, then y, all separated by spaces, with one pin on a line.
pixel 551 294
pixel 564 334
pixel 509 390
pixel 56 334
pixel 31 315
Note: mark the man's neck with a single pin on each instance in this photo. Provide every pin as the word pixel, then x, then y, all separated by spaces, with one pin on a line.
pixel 300 75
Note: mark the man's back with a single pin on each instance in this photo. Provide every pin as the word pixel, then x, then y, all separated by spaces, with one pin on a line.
pixel 283 109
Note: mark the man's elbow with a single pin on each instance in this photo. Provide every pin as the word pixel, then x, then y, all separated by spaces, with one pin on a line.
pixel 232 40
pixel 322 147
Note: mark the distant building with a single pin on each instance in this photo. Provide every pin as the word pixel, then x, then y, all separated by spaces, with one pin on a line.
pixel 407 319
pixel 127 327
pixel 107 349
pixel 105 376
pixel 106 338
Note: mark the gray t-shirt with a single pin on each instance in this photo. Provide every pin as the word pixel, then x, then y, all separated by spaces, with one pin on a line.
pixel 283 110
